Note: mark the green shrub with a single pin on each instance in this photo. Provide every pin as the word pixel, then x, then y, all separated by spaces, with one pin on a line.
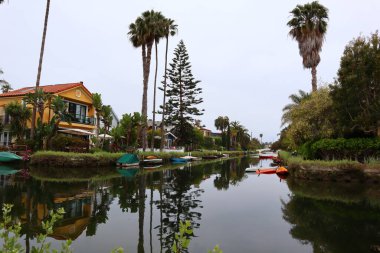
pixel 60 142
pixel 359 149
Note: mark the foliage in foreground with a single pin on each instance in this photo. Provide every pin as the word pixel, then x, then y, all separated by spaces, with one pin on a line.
pixel 10 234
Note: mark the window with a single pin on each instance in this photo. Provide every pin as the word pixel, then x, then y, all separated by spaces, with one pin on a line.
pixel 77 112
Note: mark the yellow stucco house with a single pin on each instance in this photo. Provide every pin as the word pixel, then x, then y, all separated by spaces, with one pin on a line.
pixel 79 104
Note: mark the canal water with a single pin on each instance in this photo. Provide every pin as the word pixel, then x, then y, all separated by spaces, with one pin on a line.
pixel 140 210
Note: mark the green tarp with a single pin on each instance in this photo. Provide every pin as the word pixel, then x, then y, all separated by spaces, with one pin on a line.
pixel 128 159
pixel 9 157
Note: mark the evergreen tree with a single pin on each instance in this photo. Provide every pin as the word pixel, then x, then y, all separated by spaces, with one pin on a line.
pixel 183 96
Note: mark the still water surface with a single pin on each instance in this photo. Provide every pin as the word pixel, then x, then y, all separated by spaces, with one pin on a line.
pixel 241 212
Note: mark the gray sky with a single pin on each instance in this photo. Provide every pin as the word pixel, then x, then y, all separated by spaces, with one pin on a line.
pixel 240 50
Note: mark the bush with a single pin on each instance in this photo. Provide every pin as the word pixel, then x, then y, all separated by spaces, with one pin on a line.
pixel 359 149
pixel 60 142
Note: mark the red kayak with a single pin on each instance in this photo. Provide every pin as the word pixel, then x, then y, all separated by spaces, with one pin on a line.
pixel 266 171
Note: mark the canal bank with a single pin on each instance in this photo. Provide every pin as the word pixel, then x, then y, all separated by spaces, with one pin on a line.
pixel 335 171
pixel 104 159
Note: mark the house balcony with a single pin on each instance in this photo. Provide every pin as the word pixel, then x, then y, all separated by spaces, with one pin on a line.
pixel 74 118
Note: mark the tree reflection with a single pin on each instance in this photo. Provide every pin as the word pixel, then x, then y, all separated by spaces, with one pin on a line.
pixel 333 226
pixel 180 202
pixel 231 173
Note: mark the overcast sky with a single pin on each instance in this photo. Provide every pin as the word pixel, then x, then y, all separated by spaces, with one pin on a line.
pixel 239 49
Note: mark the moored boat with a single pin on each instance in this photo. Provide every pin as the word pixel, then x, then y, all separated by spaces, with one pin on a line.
pixel 282 171
pixel 254 169
pixel 191 158
pixel 7 157
pixel 128 160
pixel 178 160
pixel 151 160
pixel 266 171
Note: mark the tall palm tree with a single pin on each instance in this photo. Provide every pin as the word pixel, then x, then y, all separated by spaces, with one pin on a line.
pixel 308 27
pixel 141 34
pixel 171 29
pixel 40 65
pixel 159 25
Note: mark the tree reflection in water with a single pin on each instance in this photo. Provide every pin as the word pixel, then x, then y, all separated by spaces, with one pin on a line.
pixel 87 201
pixel 347 224
pixel 180 202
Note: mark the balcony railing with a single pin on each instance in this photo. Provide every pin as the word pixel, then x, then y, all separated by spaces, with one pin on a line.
pixel 74 118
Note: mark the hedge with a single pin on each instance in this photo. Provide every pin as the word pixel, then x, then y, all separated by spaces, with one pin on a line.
pixel 359 149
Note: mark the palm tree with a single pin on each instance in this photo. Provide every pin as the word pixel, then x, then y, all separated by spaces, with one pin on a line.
pixel 235 127
pixel 308 27
pixel 170 29
pixel 5 86
pixel 98 105
pixel 159 21
pixel 19 115
pixel 261 139
pixel 40 66
pixel 37 100
pixel 107 120
pixel 142 34
pixel 296 100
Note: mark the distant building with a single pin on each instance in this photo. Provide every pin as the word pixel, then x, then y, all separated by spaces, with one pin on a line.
pixel 206 132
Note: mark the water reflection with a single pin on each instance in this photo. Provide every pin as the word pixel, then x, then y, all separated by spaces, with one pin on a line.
pixel 86 198
pixel 334 217
pixel 329 217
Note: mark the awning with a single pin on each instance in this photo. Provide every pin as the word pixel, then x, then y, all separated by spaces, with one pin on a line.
pixel 106 137
pixel 75 131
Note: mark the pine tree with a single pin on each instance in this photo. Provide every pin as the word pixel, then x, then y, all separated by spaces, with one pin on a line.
pixel 183 96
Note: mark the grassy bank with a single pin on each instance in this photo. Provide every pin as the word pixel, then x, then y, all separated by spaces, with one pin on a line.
pixel 104 159
pixel 334 170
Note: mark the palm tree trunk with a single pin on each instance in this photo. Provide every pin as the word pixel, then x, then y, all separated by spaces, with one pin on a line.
pixel 154 98
pixel 164 100
pixel 40 66
pixel 97 128
pixel 314 78
pixel 145 93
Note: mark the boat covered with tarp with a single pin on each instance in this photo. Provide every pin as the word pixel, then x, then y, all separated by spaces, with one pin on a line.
pixel 7 157
pixel 128 160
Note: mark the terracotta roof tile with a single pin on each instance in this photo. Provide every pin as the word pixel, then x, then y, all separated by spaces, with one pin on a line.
pixel 55 88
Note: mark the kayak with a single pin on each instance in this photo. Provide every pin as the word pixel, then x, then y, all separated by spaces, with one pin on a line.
pixel 254 169
pixel 178 160
pixel 266 171
pixel 282 171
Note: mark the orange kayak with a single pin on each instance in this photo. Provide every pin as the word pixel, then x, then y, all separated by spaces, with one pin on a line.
pixel 266 171
pixel 282 171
